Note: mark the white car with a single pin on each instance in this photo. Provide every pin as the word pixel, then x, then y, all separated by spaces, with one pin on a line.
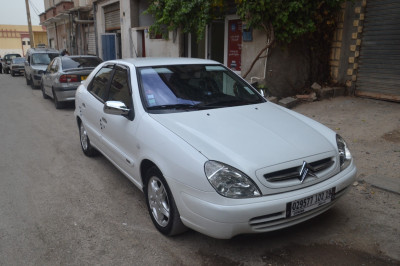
pixel 208 151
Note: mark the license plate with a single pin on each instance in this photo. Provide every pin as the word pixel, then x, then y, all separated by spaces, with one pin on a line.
pixel 300 206
pixel 83 77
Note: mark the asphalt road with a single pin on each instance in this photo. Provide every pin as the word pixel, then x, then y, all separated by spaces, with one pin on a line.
pixel 58 207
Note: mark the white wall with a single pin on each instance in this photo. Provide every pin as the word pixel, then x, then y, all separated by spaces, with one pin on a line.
pixel 164 48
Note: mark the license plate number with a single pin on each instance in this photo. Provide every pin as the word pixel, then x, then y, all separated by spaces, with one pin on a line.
pixel 83 77
pixel 300 206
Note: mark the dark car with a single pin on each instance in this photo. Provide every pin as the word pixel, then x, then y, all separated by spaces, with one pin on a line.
pixel 63 76
pixel 7 61
pixel 17 66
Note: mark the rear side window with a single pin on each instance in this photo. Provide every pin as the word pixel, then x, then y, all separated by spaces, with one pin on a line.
pixel 119 88
pixel 98 87
pixel 80 62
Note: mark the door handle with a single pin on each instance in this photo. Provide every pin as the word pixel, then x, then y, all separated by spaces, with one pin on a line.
pixel 84 105
pixel 104 120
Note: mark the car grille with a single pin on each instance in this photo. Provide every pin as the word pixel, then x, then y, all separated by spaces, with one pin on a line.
pixel 294 172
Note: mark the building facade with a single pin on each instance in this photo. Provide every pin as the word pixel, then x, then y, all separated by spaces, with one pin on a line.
pixel 15 38
pixel 364 53
pixel 70 25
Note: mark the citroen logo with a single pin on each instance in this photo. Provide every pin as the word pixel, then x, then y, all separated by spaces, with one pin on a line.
pixel 306 170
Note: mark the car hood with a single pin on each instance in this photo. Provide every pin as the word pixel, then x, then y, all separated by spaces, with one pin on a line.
pixel 257 136
pixel 39 67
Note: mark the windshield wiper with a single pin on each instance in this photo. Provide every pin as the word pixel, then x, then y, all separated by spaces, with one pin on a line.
pixel 173 106
pixel 224 103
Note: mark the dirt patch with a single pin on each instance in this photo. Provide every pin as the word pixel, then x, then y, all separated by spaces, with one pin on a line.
pixel 393 136
pixel 323 255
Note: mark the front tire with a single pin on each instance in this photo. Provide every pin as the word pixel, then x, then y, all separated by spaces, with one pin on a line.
pixel 161 205
pixel 28 82
pixel 32 83
pixel 12 73
pixel 87 148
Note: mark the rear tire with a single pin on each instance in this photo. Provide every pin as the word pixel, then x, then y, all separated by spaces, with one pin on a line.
pixel 57 104
pixel 87 148
pixel 161 204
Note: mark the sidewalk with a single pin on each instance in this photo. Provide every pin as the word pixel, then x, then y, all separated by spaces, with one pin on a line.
pixel 372 130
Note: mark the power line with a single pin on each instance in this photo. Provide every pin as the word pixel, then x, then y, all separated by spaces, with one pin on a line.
pixel 34 7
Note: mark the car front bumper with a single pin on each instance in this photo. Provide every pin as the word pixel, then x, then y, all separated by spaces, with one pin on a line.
pixel 256 215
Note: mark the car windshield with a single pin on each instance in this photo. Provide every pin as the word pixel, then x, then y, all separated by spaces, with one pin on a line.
pixel 193 87
pixel 18 60
pixel 11 56
pixel 80 62
pixel 42 58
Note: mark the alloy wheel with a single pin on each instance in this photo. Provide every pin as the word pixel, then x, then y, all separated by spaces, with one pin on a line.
pixel 158 201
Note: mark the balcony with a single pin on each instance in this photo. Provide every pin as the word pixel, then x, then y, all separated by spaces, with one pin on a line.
pixel 64 6
pixel 42 17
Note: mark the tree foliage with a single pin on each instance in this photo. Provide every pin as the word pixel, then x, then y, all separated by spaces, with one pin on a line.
pixel 282 20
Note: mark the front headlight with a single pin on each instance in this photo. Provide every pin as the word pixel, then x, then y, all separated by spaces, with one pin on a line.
pixel 230 182
pixel 344 152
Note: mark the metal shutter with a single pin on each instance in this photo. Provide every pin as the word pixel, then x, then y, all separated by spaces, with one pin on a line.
pixel 91 40
pixel 379 63
pixel 112 17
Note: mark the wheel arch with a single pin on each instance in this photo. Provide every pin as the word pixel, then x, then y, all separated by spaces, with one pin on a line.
pixel 145 165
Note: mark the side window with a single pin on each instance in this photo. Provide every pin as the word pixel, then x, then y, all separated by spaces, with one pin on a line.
pixel 98 87
pixel 119 88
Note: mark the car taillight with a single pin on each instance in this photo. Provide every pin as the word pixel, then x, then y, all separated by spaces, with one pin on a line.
pixel 68 78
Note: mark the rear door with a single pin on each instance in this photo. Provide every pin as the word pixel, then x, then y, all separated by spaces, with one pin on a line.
pixel 46 80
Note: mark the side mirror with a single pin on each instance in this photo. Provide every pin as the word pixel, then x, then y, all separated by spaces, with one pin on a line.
pixel 116 108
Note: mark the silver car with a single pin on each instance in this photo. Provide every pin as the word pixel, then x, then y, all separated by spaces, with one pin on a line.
pixel 63 76
pixel 17 66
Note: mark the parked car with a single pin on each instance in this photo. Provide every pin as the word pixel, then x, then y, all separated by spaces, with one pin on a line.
pixel 17 66
pixel 208 151
pixel 1 65
pixel 37 60
pixel 63 76
pixel 7 61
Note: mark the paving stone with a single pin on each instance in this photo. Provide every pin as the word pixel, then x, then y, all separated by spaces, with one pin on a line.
pixel 339 91
pixel 307 97
pixel 272 99
pixel 288 102
pixel 316 86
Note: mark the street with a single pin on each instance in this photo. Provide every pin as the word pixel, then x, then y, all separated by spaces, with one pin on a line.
pixel 59 207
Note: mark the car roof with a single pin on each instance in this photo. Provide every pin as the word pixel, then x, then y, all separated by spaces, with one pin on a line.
pixel 79 56
pixel 43 50
pixel 162 61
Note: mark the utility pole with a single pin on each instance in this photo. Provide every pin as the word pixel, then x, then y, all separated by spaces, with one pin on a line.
pixel 28 14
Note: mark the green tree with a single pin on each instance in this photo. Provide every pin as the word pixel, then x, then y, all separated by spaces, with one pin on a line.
pixel 281 20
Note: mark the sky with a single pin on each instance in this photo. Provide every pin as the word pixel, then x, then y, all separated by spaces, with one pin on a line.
pixel 13 12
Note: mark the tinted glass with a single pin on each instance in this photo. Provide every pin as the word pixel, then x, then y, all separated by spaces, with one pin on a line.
pixel 80 62
pixel 119 89
pixel 193 87
pixel 42 58
pixel 100 81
